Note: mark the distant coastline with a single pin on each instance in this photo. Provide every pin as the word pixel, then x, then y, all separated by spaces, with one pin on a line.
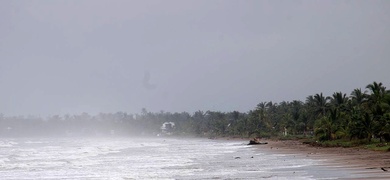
pixel 361 119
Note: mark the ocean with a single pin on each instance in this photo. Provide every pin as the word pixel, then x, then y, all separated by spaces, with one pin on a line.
pixel 152 158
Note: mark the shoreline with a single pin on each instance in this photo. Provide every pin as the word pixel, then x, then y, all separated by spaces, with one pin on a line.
pixel 367 164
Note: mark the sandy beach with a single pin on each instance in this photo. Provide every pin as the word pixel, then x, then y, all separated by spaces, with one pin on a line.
pixel 367 164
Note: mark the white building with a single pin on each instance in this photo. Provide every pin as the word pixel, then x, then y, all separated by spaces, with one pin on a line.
pixel 167 127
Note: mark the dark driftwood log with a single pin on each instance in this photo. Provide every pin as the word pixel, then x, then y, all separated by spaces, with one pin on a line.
pixel 253 142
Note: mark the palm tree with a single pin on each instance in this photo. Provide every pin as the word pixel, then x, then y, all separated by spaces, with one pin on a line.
pixel 321 104
pixel 199 122
pixel 358 97
pixel 327 126
pixel 260 110
pixel 310 100
pixel 295 111
pixel 378 107
pixel 339 100
pixel 342 103
pixel 362 125
pixel 378 92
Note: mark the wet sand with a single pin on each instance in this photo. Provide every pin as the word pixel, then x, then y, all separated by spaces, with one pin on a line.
pixel 366 164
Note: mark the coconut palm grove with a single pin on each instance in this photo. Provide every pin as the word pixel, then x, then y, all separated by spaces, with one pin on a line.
pixel 362 115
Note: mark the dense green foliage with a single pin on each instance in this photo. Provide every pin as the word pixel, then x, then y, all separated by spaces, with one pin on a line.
pixel 361 116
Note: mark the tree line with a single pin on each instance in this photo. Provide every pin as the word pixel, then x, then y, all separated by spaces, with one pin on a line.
pixel 363 114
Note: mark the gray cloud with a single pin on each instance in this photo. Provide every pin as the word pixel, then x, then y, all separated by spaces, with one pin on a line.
pixel 75 56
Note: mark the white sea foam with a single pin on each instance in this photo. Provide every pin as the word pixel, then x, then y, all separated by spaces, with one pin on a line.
pixel 34 142
pixel 71 158
pixel 7 143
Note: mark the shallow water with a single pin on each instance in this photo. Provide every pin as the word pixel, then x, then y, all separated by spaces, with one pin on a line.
pixel 152 158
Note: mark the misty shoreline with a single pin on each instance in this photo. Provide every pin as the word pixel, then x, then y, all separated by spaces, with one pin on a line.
pixel 359 119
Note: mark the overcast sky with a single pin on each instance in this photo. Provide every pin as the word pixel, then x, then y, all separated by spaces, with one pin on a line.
pixel 59 57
